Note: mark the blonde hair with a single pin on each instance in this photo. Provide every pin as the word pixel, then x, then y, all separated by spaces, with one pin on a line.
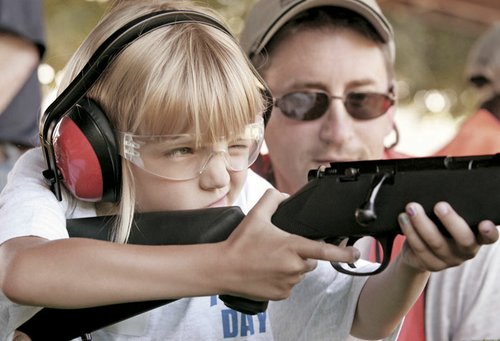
pixel 182 77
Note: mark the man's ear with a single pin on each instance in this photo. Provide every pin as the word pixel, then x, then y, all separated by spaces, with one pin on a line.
pixel 392 138
pixel 393 91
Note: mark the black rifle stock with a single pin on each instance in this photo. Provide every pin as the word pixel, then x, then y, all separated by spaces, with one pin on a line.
pixel 347 200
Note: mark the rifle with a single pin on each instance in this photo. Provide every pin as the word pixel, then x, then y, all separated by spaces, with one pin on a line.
pixel 346 201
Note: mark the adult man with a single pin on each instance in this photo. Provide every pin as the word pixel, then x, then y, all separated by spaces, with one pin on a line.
pixel 321 142
pixel 330 67
pixel 21 49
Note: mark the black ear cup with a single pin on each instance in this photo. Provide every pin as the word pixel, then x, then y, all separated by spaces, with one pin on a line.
pixel 86 153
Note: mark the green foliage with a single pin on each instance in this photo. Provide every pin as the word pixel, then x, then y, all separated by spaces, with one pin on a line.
pixel 67 23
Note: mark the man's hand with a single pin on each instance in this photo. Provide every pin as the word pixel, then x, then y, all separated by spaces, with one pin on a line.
pixel 387 297
pixel 427 249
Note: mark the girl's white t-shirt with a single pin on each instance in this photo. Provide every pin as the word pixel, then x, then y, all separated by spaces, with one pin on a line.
pixel 321 307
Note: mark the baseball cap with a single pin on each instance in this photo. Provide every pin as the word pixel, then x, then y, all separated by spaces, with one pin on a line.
pixel 268 16
pixel 483 63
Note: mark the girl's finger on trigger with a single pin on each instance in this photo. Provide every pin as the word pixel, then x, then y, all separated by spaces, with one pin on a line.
pixel 319 250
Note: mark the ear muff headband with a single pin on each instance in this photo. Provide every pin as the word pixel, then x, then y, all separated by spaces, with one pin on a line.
pixel 98 62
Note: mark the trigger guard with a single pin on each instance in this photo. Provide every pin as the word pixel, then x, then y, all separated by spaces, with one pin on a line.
pixel 334 240
pixel 337 240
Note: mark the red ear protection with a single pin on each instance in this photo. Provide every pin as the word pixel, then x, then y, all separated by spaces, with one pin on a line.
pixel 77 138
pixel 87 154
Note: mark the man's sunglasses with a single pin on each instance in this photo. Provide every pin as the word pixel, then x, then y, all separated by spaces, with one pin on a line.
pixel 308 106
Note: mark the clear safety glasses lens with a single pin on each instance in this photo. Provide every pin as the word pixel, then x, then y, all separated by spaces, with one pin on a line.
pixel 180 157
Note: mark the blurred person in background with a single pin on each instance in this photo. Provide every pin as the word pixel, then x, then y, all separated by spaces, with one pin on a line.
pixel 473 313
pixel 330 67
pixel 22 46
pixel 480 133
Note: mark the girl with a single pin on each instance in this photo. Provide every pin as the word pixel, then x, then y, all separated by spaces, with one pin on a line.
pixel 185 109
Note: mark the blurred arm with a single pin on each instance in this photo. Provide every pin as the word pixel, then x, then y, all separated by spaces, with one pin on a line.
pixel 18 59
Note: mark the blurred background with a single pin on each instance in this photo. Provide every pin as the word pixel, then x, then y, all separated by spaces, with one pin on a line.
pixel 433 38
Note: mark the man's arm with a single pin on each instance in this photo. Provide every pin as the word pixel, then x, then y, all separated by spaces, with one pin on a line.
pixel 18 58
pixel 387 297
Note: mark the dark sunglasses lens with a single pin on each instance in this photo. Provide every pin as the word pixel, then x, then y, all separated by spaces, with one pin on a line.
pixel 303 106
pixel 366 106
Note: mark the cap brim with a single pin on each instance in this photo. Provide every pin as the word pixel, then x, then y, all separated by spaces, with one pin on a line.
pixel 378 21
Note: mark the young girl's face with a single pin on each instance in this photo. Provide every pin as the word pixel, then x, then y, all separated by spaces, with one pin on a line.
pixel 186 171
pixel 215 187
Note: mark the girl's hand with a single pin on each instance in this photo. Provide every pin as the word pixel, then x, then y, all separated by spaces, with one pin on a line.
pixel 266 262
pixel 427 249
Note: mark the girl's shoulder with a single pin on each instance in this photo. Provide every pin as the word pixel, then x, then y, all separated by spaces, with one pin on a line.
pixel 28 204
pixel 27 170
pixel 254 179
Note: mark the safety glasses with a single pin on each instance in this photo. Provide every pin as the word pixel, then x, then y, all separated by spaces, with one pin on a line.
pixel 309 106
pixel 182 157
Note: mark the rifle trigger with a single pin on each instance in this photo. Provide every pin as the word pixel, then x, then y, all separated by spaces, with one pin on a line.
pixel 365 214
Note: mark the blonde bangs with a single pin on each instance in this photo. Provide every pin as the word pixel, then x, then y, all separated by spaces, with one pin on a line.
pixel 197 82
pixel 182 78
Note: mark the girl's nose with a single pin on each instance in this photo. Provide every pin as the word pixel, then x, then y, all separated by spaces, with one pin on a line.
pixel 215 173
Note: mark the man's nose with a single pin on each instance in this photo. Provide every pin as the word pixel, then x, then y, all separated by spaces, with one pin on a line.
pixel 336 124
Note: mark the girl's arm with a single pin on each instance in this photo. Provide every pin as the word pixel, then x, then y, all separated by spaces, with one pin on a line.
pixel 77 272
pixel 387 297
pixel 257 261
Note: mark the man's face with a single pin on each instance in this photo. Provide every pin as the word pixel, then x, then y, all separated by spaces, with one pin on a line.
pixel 336 63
